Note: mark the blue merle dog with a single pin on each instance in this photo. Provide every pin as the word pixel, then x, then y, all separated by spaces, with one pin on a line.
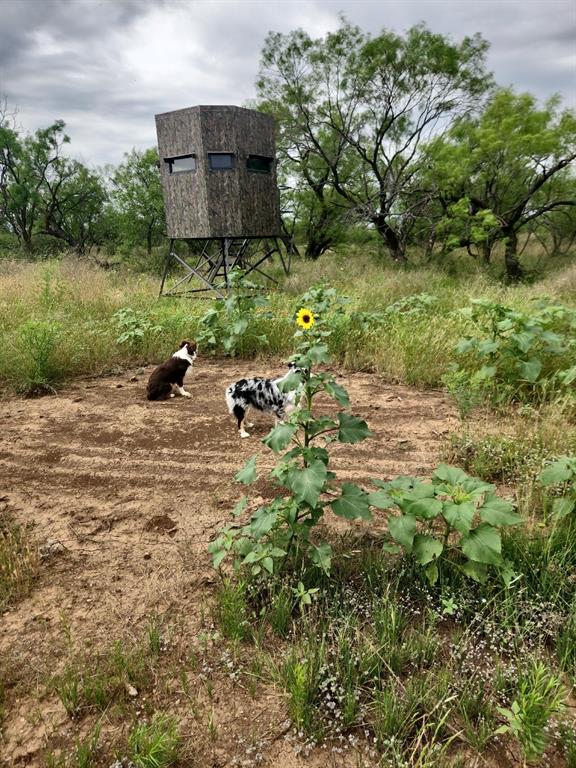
pixel 262 394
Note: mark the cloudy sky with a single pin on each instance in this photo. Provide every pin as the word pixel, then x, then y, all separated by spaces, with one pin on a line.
pixel 107 66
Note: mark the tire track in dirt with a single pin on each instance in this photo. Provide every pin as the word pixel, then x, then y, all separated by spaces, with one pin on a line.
pixel 94 465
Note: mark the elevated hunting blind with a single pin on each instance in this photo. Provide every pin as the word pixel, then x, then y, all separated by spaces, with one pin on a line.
pixel 218 172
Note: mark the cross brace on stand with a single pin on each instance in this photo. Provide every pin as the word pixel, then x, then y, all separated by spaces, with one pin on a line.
pixel 211 267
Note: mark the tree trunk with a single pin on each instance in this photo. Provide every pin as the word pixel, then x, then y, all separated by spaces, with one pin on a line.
pixel 429 249
pixel 514 271
pixel 486 252
pixel 393 244
pixel 26 238
pixel 318 236
pixel 149 239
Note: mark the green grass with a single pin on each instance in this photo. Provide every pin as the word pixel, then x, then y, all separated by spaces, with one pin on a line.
pixel 154 744
pixel 19 561
pixel 62 319
pixel 424 673
pixel 93 685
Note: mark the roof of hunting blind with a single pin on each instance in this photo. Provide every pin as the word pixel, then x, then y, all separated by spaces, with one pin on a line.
pixel 218 172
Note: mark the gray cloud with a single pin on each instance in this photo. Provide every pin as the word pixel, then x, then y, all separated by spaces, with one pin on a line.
pixel 107 66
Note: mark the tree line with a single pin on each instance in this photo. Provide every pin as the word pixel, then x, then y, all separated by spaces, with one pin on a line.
pixel 48 199
pixel 405 137
pixel 410 136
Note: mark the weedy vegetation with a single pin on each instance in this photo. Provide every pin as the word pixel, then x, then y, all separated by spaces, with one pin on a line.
pixel 438 627
pixel 449 634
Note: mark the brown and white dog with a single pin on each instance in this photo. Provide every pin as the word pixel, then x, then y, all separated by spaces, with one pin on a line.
pixel 169 376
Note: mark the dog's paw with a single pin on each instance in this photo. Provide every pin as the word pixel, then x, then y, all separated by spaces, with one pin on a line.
pixel 244 434
pixel 172 394
pixel 186 394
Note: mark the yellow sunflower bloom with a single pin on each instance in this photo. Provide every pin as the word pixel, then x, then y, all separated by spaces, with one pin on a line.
pixel 305 318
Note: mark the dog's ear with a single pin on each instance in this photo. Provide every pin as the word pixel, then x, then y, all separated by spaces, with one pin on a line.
pixel 192 346
pixel 182 344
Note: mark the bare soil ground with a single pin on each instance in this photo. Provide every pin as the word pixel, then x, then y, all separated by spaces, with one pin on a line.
pixel 124 496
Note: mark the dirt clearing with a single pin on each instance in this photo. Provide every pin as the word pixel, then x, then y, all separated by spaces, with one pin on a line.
pixel 124 496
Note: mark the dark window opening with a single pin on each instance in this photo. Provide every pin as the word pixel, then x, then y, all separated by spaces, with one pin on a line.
pixel 220 161
pixel 181 164
pixel 259 164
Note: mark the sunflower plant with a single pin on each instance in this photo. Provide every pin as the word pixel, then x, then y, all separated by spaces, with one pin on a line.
pixel 307 487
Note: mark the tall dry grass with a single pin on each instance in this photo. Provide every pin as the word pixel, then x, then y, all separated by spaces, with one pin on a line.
pixel 61 319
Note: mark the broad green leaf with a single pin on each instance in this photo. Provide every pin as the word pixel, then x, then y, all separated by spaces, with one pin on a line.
pixel 476 571
pixel 318 353
pixel 209 316
pixel 403 529
pixel 321 424
pixel 563 507
pixel 247 474
pixel 426 548
pixel 483 545
pixel 459 516
pixel 240 506
pixel 426 508
pixel 279 437
pixel 240 326
pixel 420 491
pixel 465 345
pixel 558 472
pixel 523 340
pixel 485 373
pixel 432 573
pixel 314 452
pixel 218 557
pixel 499 512
pixel 277 552
pixel 352 429
pixel 262 521
pixel 308 483
pixel 268 563
pixel 352 504
pixel 337 392
pixel 568 376
pixel 392 549
pixel 380 499
pixel 507 573
pixel 321 556
pixel 291 382
pixel 403 483
pixel 530 369
pixel 450 475
pixel 487 347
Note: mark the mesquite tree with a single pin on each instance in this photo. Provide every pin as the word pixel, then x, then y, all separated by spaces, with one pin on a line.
pixel 44 192
pixel 137 194
pixel 513 161
pixel 363 105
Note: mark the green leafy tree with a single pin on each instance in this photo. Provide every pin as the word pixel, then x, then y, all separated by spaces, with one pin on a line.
pixel 363 105
pixel 137 193
pixel 555 230
pixel 510 166
pixel 73 205
pixel 44 192
pixel 25 164
pixel 308 197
